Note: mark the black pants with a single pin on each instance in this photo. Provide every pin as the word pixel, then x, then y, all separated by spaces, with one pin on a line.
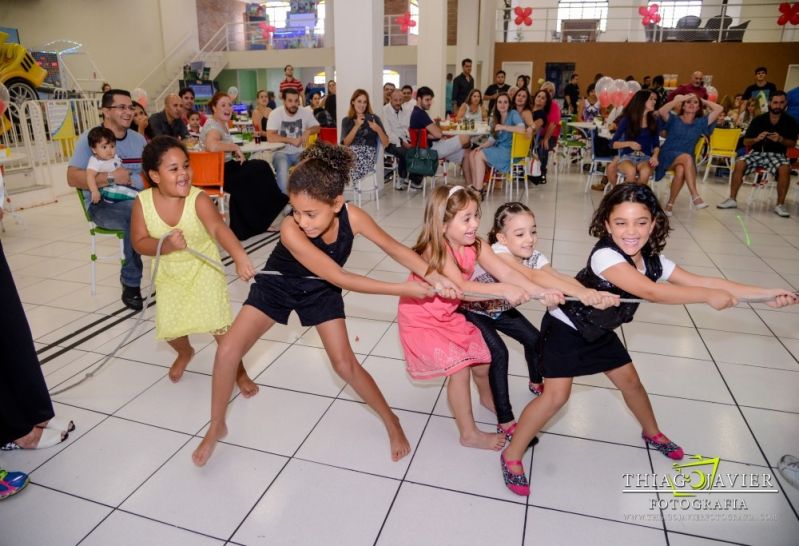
pixel 513 324
pixel 543 154
pixel 399 153
pixel 25 401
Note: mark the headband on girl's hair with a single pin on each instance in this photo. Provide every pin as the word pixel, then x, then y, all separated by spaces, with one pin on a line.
pixel 453 189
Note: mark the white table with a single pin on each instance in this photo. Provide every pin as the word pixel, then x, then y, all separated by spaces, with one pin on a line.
pixel 263 147
pixel 468 132
pixel 586 126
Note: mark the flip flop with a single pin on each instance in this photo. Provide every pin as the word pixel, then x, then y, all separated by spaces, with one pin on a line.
pixel 59 424
pixel 12 483
pixel 50 437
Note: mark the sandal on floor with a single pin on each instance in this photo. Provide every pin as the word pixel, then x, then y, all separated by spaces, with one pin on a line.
pixel 660 443
pixel 668 209
pixel 59 424
pixel 699 203
pixel 50 437
pixel 508 432
pixel 515 482
pixel 12 483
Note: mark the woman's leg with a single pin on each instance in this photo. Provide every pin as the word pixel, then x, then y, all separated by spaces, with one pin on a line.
pixel 248 326
pixel 644 172
pixel 480 377
pixel 676 182
pixel 185 352
pixel 334 338
pixel 628 170
pixel 460 402
pixel 478 168
pixel 689 166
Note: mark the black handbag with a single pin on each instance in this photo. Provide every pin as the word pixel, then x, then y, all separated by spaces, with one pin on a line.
pixel 421 161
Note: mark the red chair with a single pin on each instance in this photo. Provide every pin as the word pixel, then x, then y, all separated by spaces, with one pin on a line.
pixel 329 135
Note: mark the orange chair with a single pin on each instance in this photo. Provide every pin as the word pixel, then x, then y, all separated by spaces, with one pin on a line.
pixel 329 135
pixel 208 173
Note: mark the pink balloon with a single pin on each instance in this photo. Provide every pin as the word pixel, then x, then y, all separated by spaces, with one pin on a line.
pixel 2 107
pixel 712 93
pixel 604 98
pixel 619 92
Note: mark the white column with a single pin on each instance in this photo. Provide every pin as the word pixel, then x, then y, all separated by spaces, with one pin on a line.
pixel 431 52
pixel 329 35
pixel 358 28
pixel 486 40
pixel 466 44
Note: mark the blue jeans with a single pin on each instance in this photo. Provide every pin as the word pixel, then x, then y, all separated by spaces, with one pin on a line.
pixel 282 161
pixel 117 216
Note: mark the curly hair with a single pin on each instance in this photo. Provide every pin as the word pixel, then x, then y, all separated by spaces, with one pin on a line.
pixel 323 171
pixel 501 216
pixel 442 206
pixel 154 152
pixel 633 193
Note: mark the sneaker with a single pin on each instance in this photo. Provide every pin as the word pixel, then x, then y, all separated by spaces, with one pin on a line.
pixel 400 184
pixel 728 203
pixel 781 211
pixel 789 468
pixel 415 187
pixel 131 297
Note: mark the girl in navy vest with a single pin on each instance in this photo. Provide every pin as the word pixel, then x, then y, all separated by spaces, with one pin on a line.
pixel 579 340
pixel 306 275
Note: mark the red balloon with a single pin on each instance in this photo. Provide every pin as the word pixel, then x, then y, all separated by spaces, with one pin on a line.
pixel 790 14
pixel 523 15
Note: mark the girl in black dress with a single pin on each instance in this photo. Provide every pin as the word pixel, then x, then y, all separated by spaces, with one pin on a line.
pixel 305 274
pixel 579 340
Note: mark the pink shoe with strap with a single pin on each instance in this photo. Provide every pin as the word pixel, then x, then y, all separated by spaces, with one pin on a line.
pixel 659 442
pixel 515 482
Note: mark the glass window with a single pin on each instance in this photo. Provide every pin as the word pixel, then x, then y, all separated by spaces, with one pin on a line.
pixel 391 76
pixel 672 11
pixel 583 9
pixel 413 8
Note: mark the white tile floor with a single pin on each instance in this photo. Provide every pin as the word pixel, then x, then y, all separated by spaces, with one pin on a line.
pixel 307 463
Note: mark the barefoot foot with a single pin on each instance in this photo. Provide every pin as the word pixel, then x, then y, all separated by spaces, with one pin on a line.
pixel 204 451
pixel 483 440
pixel 179 365
pixel 246 385
pixel 400 447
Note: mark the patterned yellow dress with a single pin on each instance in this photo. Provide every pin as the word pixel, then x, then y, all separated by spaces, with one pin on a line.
pixel 192 294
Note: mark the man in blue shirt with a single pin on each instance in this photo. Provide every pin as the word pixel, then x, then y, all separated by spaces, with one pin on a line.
pixel 117 110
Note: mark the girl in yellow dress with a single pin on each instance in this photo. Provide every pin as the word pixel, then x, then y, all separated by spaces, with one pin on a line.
pixel 192 293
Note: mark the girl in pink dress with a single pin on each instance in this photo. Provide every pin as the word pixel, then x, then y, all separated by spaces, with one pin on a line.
pixel 437 340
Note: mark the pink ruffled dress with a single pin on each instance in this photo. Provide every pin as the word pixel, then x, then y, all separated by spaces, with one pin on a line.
pixel 437 340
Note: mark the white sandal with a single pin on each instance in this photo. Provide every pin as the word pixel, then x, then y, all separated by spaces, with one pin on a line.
pixel 59 424
pixel 49 438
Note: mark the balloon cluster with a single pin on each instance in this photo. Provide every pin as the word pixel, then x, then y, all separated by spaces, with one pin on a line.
pixel 712 93
pixel 615 92
pixel 5 98
pixel 790 14
pixel 524 16
pixel 405 22
pixel 139 95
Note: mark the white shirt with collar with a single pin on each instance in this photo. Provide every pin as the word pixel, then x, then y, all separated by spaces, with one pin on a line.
pixel 396 124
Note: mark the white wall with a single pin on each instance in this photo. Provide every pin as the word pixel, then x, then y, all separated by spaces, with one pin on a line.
pixel 124 38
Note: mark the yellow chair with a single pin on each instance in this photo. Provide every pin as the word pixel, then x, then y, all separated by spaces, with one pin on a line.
pixel 312 139
pixel 519 150
pixel 94 231
pixel 723 143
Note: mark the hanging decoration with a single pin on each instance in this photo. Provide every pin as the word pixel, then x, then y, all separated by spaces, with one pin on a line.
pixel 405 22
pixel 790 14
pixel 524 16
pixel 649 15
pixel 266 30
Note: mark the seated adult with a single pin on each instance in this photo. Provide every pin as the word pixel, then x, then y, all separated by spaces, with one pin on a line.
pixel 749 112
pixel 260 112
pixel 169 121
pixel 768 138
pixel 118 111
pixel 472 109
pixel 684 129
pixel 318 110
pixel 495 151
pixel 361 130
pixel 187 97
pixel 255 199
pixel 292 126
pixel 451 149
pixel 548 136
pixel 636 138
pixel 695 87
pixel 329 101
pixel 141 122
pixel 397 120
